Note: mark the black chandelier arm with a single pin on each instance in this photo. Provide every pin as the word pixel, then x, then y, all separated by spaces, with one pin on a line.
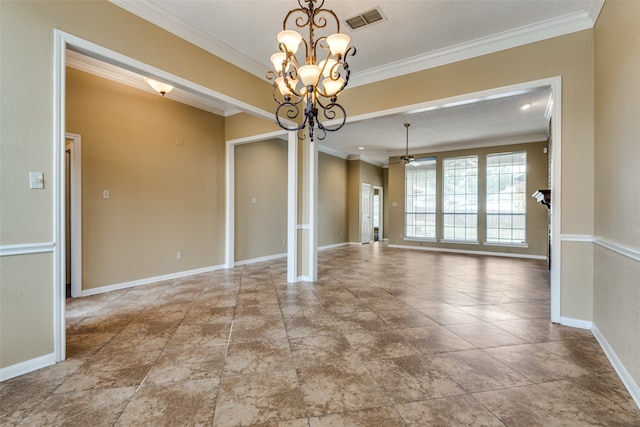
pixel 292 112
pixel 329 113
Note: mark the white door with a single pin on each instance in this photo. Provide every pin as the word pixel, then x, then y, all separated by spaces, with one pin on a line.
pixel 365 208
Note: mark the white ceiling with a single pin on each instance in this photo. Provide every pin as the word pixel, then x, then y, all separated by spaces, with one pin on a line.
pixel 415 35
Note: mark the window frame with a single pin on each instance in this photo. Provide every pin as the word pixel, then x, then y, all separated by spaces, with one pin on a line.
pixel 473 240
pixel 522 195
pixel 432 167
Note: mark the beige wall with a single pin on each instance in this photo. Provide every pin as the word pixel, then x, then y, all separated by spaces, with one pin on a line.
pixel 537 215
pixel 260 177
pixel 243 125
pixel 616 304
pixel 333 208
pixel 163 164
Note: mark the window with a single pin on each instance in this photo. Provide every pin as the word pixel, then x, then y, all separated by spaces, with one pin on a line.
pixel 506 201
pixel 460 199
pixel 420 199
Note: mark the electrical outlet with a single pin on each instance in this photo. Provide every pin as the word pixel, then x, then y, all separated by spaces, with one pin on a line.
pixel 179 255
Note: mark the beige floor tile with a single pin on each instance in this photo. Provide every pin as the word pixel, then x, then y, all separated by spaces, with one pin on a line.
pixel 409 379
pixel 187 364
pixel 380 345
pixel 434 340
pixel 258 356
pixel 535 363
pixel 94 408
pixel 259 399
pixel 331 389
pixel 322 350
pixel 475 370
pixel 484 335
pixel 201 334
pixel 111 370
pixel 384 416
pixel 448 411
pixel 179 403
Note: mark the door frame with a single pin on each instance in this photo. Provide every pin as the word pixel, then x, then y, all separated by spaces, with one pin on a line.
pixel 74 142
pixel 370 231
pixel 380 213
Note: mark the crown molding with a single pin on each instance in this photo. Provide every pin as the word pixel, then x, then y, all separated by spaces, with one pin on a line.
pixel 162 18
pixel 520 36
pixel 506 40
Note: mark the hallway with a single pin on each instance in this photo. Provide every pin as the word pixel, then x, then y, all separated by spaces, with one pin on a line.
pixel 386 337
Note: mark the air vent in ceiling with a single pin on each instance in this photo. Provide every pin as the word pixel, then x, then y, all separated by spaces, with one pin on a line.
pixel 365 18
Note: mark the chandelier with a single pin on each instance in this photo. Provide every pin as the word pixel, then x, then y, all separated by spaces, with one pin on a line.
pixel 311 87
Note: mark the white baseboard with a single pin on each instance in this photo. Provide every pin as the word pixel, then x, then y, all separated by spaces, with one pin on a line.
pixel 463 251
pixel 148 280
pixel 335 245
pixel 259 259
pixel 576 323
pixel 27 366
pixel 627 380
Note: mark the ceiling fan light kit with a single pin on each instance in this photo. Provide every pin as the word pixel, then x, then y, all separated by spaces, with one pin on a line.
pixel 299 86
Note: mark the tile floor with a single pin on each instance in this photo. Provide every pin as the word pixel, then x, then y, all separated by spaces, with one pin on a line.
pixel 386 337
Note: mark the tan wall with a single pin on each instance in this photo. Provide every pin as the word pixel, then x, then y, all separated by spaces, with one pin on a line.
pixel 617 214
pixel 333 208
pixel 163 164
pixel 537 215
pixel 26 298
pixel 260 176
pixel 242 125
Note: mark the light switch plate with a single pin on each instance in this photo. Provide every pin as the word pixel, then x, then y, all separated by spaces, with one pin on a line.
pixel 36 180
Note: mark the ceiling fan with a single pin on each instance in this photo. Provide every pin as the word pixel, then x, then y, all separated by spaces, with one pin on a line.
pixel 406 158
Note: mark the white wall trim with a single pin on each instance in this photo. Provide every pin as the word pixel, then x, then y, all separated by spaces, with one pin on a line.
pixel 230 212
pixel 625 376
pixel 27 366
pixel 332 246
pixel 260 259
pixel 618 248
pixel 576 238
pixel 292 207
pixel 576 323
pixel 149 280
pixel 60 40
pixel 462 251
pixel 27 248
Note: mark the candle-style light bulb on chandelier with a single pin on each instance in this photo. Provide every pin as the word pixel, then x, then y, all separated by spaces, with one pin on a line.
pixel 313 86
